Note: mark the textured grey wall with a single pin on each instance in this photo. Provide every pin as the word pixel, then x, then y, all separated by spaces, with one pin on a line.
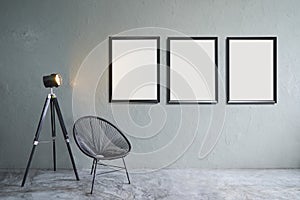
pixel 39 37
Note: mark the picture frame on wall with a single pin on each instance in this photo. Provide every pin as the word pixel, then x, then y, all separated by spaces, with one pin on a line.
pixel 134 69
pixel 192 70
pixel 251 70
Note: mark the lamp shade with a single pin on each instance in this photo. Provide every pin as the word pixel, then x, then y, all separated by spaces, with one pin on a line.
pixel 52 80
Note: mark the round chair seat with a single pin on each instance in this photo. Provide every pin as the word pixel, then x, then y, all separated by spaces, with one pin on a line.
pixel 99 139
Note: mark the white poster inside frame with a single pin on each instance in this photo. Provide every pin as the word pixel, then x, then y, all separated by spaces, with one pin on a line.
pixel 251 70
pixel 134 69
pixel 192 70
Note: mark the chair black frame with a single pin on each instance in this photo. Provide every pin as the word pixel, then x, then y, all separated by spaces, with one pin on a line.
pixel 96 161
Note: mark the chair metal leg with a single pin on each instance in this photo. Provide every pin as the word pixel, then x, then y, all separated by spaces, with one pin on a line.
pixel 95 167
pixel 126 171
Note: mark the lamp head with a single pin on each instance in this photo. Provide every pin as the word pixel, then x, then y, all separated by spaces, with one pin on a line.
pixel 52 80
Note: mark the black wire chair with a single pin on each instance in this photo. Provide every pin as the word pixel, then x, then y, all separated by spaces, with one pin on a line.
pixel 101 140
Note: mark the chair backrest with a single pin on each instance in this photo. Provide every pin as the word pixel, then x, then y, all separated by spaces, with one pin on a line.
pixel 98 138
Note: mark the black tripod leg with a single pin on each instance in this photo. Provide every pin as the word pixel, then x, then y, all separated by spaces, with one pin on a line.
pixel 65 133
pixel 36 138
pixel 53 134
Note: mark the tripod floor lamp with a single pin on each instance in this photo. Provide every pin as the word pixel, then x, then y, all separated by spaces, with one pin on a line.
pixel 50 81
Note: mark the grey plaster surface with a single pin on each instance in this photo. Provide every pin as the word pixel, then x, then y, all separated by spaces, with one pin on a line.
pixel 183 184
pixel 40 37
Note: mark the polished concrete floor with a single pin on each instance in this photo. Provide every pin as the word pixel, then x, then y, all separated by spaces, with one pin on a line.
pixel 164 184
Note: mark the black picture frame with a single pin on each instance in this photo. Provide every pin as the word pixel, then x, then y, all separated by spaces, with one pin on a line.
pixel 126 38
pixel 192 101
pixel 273 52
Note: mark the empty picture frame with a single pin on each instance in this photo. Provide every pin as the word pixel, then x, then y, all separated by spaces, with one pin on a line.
pixel 134 69
pixel 192 72
pixel 251 70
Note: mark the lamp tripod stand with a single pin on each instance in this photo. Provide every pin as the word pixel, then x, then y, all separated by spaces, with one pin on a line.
pixel 52 101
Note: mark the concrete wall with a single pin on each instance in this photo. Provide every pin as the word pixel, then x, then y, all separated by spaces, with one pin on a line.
pixel 40 37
